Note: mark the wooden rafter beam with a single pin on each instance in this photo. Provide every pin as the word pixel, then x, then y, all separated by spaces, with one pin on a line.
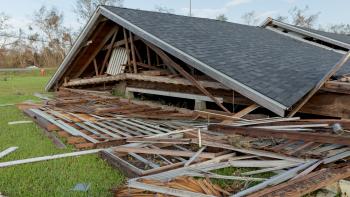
pixel 109 51
pixel 167 60
pixel 97 49
pixel 320 84
pixel 133 52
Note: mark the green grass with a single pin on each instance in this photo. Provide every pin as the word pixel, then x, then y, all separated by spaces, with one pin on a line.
pixel 48 178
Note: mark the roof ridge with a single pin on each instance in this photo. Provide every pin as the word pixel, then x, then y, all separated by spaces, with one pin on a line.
pixel 174 14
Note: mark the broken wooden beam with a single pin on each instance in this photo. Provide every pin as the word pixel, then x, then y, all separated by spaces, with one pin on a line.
pixel 306 184
pixel 282 134
pixel 163 152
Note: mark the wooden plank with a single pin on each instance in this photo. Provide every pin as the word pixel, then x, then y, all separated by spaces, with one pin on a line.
pixel 127 45
pixel 163 152
pixel 148 56
pixel 46 158
pixel 7 151
pixel 195 156
pixel 290 135
pixel 246 111
pixel 306 184
pixel 108 54
pixel 319 85
pixel 173 94
pixel 337 86
pixel 166 59
pixel 133 52
pixel 96 68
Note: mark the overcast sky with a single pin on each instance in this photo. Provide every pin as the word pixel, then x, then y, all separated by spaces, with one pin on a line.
pixel 331 11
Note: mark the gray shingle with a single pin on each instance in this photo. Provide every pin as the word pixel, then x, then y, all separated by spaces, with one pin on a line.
pixel 274 65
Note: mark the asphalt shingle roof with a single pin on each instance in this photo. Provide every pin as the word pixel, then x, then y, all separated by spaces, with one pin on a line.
pixel 274 65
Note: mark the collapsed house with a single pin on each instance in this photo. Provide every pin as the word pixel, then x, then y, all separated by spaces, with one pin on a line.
pixel 170 151
pixel 134 51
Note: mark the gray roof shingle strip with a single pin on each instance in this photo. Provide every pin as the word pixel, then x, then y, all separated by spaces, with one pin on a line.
pixel 276 66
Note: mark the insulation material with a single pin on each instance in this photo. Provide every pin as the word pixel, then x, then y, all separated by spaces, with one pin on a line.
pixel 118 59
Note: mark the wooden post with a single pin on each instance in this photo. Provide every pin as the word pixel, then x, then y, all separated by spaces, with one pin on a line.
pixel 109 51
pixel 148 56
pixel 133 52
pixel 96 68
pixel 127 47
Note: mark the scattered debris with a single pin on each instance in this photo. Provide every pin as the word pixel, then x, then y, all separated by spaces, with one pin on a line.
pixel 180 186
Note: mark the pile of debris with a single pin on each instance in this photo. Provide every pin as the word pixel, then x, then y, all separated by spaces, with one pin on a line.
pixel 168 151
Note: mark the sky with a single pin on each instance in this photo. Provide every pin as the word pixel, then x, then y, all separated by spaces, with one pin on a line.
pixel 331 11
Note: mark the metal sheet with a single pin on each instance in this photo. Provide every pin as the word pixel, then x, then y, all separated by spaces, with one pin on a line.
pixel 118 59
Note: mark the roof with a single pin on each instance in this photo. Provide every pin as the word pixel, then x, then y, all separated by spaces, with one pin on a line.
pixel 340 37
pixel 273 70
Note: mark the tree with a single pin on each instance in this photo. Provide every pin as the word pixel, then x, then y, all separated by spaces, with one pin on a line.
pixel 301 18
pixel 56 38
pixel 86 8
pixel 282 18
pixel 164 9
pixel 250 18
pixel 4 29
pixel 222 17
pixel 339 28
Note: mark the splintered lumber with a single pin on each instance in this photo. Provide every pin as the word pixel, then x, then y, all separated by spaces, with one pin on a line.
pixel 180 186
pixel 46 158
pixel 275 180
pixel 163 152
pixel 319 85
pixel 337 86
pixel 216 115
pixel 290 135
pixel 7 151
pixel 306 184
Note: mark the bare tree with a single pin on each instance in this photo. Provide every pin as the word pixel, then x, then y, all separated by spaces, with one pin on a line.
pixel 282 18
pixel 85 8
pixel 4 29
pixel 222 17
pixel 301 18
pixel 55 36
pixel 164 9
pixel 339 29
pixel 250 18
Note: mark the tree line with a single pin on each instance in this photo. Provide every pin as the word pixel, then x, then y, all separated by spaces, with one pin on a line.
pixel 46 41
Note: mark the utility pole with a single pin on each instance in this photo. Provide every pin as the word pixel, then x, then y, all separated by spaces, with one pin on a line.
pixel 190 7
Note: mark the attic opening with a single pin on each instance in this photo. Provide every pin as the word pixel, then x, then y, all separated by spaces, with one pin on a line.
pixel 300 36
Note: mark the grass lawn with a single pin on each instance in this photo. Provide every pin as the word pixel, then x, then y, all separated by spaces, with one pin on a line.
pixel 48 178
